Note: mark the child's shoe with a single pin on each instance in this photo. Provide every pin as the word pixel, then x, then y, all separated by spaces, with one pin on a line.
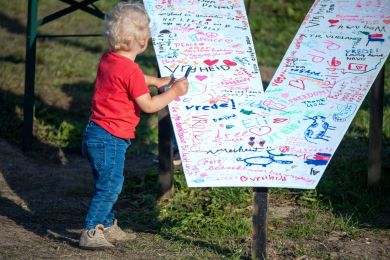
pixel 94 239
pixel 116 234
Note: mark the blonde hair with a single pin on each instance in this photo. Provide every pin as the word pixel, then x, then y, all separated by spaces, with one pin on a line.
pixel 125 25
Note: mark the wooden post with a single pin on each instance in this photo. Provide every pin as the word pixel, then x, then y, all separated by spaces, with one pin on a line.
pixel 260 224
pixel 165 151
pixel 29 75
pixel 375 132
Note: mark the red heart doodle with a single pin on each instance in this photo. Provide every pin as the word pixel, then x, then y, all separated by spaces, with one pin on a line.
pixel 331 21
pixel 210 62
pixel 262 130
pixel 284 149
pixel 298 83
pixel 386 21
pixel 201 77
pixel 209 20
pixel 229 63
pixel 243 178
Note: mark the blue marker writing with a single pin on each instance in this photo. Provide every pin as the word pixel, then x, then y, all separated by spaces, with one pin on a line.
pixel 188 71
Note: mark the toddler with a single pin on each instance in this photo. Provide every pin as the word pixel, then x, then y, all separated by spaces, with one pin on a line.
pixel 121 93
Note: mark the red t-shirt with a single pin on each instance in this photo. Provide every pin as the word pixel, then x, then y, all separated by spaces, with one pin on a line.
pixel 119 81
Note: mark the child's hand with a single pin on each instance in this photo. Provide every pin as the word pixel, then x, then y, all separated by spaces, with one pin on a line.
pixel 151 104
pixel 158 82
pixel 180 87
pixel 161 82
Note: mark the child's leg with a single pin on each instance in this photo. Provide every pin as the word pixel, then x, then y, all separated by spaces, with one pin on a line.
pixel 106 155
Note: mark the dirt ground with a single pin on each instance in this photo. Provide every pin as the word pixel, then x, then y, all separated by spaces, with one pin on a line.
pixel 43 200
pixel 44 196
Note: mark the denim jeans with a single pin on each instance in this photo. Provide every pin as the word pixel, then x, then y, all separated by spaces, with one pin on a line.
pixel 106 155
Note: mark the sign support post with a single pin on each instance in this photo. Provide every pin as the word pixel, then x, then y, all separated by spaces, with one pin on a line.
pixel 375 131
pixel 165 153
pixel 260 223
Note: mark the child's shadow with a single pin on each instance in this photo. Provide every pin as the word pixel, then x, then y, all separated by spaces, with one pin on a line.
pixel 46 189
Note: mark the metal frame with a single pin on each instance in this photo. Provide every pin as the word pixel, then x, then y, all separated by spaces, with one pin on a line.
pixel 32 35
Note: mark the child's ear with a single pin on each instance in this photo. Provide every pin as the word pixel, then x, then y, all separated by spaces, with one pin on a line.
pixel 143 45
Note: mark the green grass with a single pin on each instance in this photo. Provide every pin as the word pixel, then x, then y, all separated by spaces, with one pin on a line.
pixel 214 219
pixel 273 25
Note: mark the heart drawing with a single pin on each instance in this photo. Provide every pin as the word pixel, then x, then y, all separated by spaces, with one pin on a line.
pixel 285 95
pixel 331 21
pixel 210 62
pixel 262 130
pixel 201 77
pixel 229 63
pixel 251 141
pixel 298 83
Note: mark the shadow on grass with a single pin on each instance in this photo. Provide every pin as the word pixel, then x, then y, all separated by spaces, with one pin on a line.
pixel 55 196
pixel 344 184
pixel 38 177
pixel 225 251
pixel 13 25
pixel 139 210
pixel 12 59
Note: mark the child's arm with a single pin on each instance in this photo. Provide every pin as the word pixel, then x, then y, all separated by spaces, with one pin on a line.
pixel 157 82
pixel 151 104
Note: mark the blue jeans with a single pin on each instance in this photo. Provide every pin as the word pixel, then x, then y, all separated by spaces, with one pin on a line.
pixel 106 155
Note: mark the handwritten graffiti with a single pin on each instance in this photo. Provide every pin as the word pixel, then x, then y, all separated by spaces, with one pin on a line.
pixel 317 129
pixel 313 171
pixel 319 159
pixel 376 37
pixel 264 160
pixel 286 136
pixel 212 107
pixel 344 112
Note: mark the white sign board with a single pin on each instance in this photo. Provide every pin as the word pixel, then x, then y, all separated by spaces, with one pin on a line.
pixel 229 132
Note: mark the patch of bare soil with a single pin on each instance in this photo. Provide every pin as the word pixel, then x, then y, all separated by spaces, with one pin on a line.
pixel 362 244
pixel 367 245
pixel 43 204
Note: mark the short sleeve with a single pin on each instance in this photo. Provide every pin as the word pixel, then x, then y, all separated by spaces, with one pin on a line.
pixel 137 84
